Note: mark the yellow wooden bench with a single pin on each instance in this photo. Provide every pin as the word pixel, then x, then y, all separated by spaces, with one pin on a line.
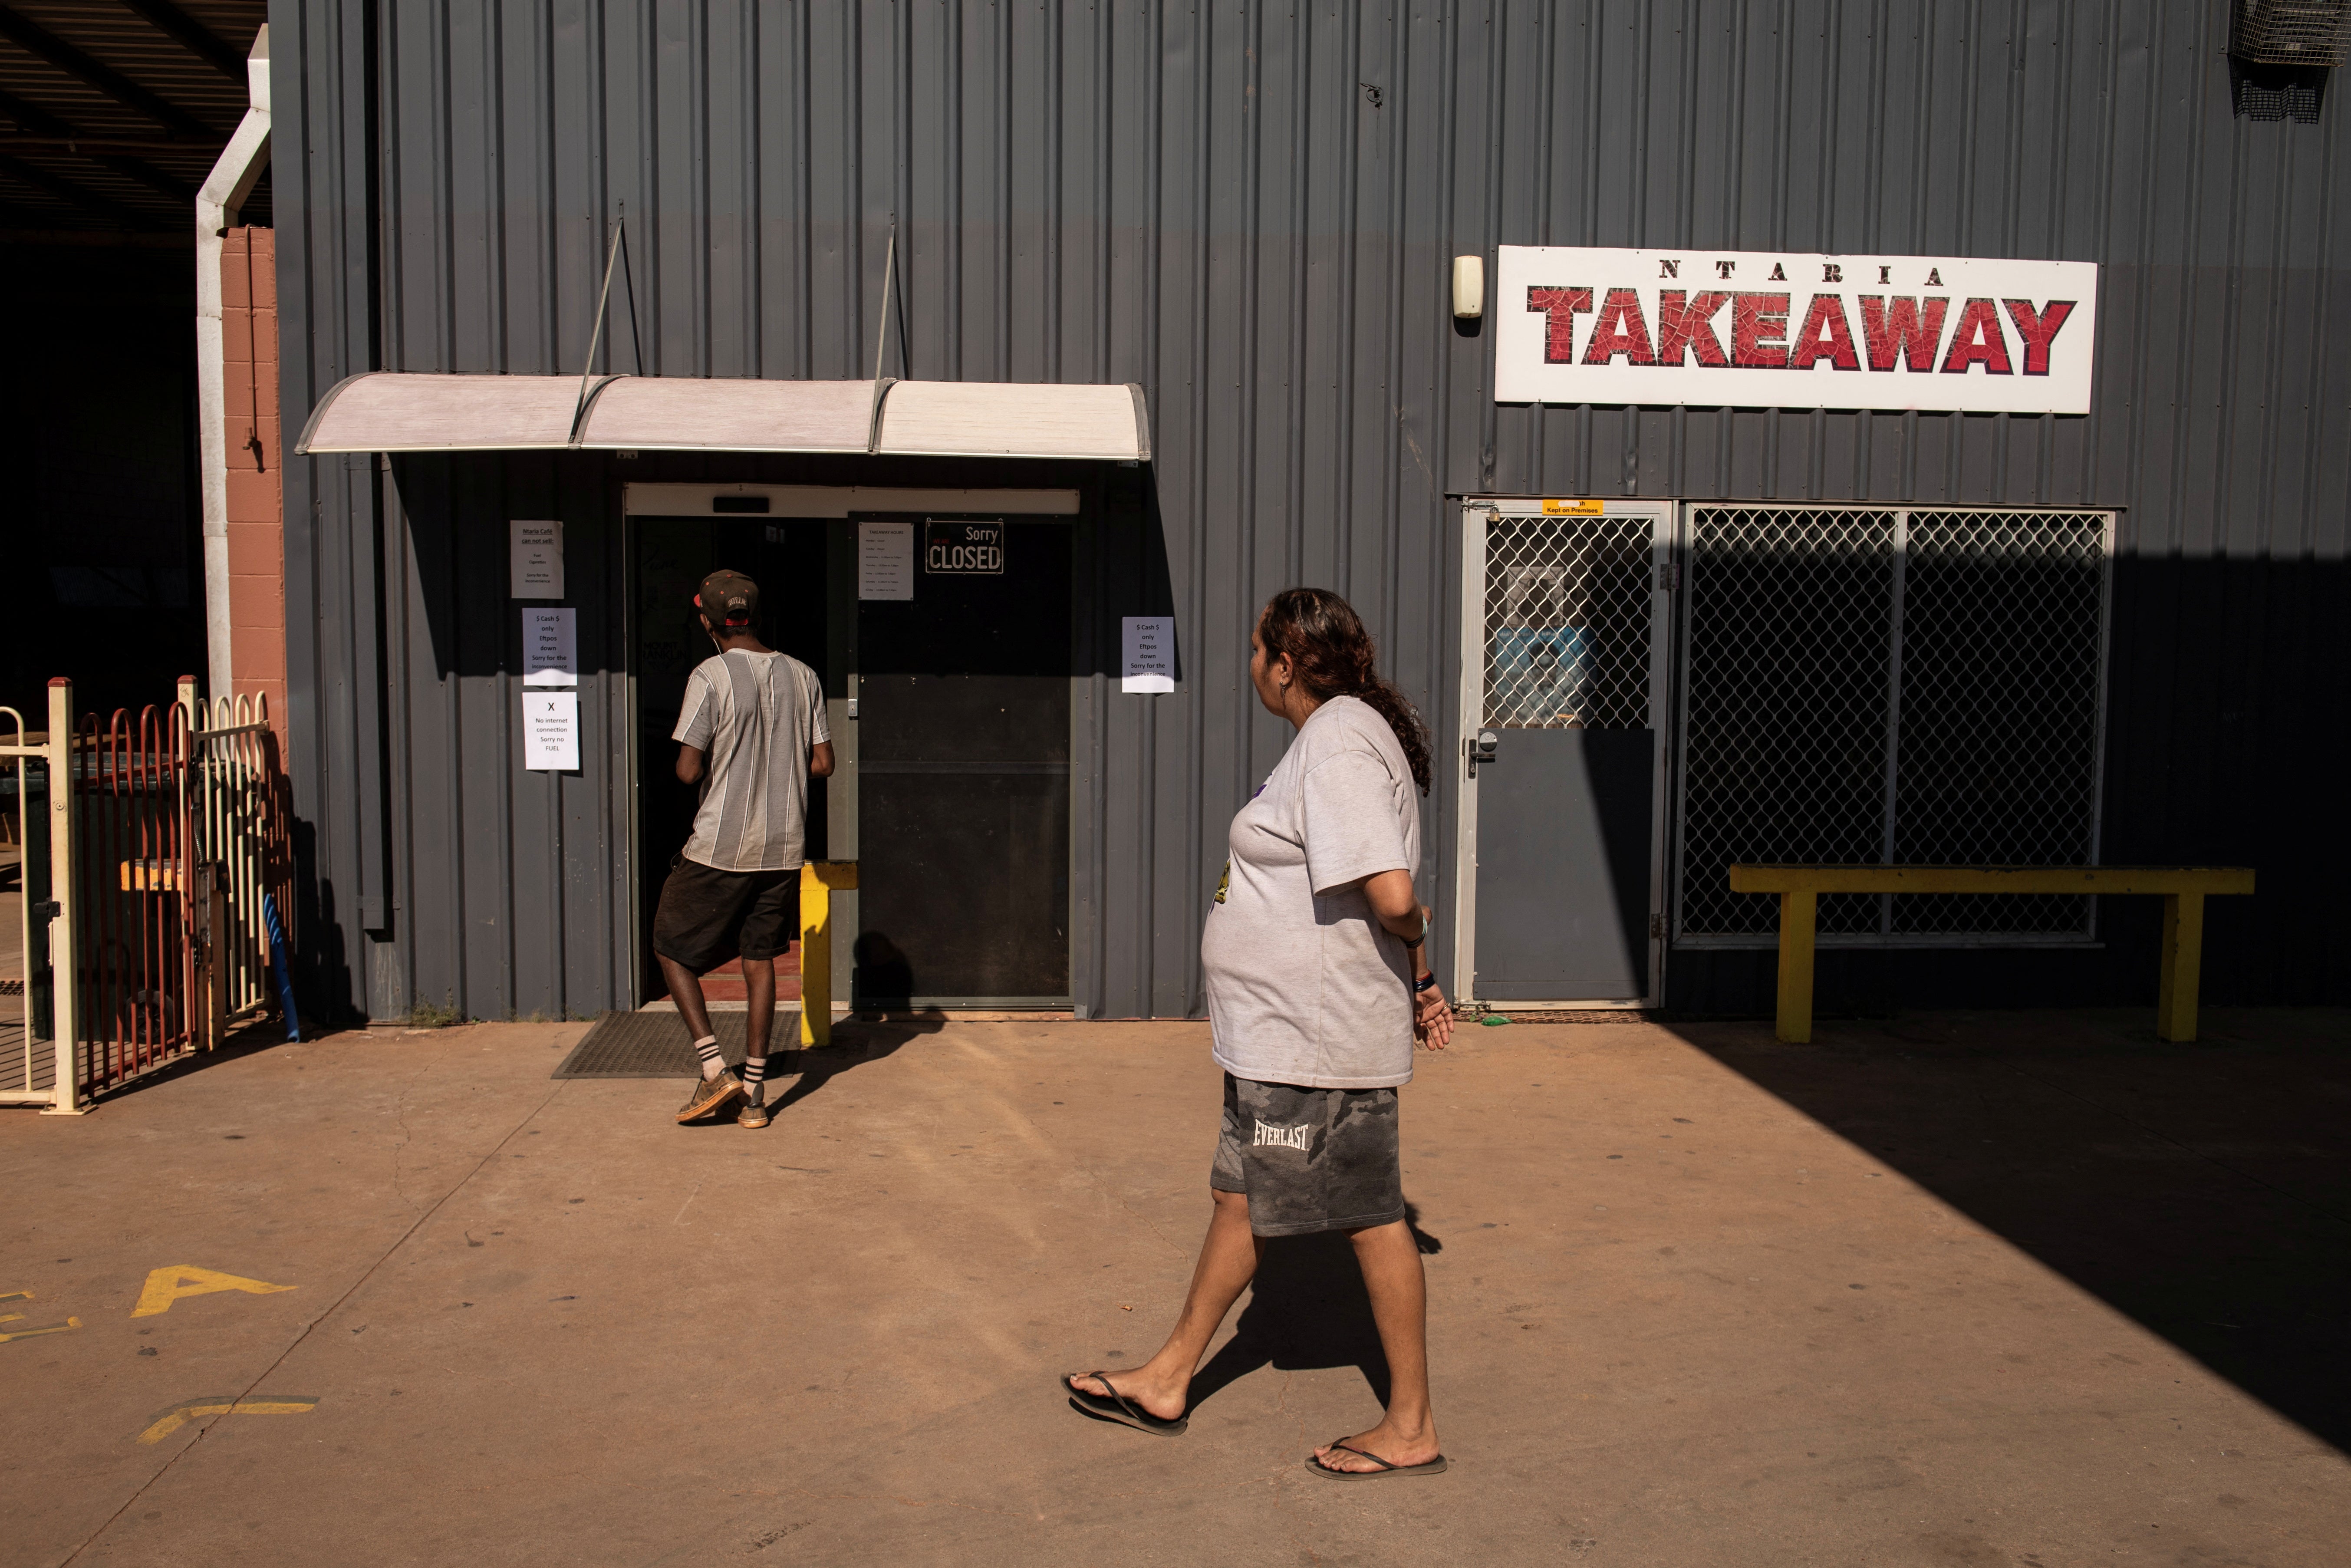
pixel 2183 889
pixel 818 881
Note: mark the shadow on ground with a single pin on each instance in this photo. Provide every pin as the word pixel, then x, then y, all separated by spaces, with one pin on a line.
pixel 249 1038
pixel 1307 1309
pixel 2204 1189
pixel 853 1045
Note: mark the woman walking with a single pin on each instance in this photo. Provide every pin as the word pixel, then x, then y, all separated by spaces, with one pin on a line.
pixel 1317 992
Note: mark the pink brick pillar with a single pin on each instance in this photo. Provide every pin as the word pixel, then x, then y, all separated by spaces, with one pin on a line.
pixel 256 489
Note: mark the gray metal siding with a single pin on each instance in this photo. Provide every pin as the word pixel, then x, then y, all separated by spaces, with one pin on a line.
pixel 1208 201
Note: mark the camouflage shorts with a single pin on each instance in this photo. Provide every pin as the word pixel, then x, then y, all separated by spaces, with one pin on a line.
pixel 1309 1159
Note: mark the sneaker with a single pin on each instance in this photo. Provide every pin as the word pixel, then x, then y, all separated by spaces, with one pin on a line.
pixel 709 1093
pixel 752 1114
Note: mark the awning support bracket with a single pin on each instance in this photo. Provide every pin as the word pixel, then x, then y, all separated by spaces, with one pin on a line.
pixel 880 338
pixel 595 334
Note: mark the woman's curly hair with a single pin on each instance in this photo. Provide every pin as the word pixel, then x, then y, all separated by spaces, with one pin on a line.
pixel 1334 657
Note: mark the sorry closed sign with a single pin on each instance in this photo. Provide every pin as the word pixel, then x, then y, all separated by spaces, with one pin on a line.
pixel 964 549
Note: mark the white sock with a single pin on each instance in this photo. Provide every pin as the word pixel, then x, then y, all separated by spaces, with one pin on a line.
pixel 714 1061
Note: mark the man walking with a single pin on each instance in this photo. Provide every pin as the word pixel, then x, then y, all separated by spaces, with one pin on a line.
pixel 751 732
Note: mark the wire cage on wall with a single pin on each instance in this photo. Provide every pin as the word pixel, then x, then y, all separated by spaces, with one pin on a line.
pixel 2292 32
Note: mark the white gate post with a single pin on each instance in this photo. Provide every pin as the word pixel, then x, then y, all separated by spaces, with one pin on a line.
pixel 65 958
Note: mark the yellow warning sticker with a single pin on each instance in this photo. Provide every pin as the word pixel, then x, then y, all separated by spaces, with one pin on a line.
pixel 1572 508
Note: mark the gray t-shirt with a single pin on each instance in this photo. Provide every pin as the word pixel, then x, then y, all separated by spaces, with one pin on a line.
pixel 755 718
pixel 1305 985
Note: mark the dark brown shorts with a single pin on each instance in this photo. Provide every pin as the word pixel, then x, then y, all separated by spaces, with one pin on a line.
pixel 707 917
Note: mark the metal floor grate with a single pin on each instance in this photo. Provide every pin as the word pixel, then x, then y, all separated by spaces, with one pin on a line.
pixel 655 1045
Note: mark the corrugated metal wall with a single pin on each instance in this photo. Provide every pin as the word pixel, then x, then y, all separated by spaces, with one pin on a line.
pixel 1249 209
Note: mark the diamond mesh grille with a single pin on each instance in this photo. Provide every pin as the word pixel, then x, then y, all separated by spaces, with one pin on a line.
pixel 1567 623
pixel 1997 752
pixel 1784 743
pixel 1893 687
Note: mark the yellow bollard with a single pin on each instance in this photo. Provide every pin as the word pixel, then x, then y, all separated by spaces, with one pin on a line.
pixel 819 879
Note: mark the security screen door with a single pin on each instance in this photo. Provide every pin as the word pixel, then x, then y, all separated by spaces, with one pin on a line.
pixel 1563 696
pixel 962 770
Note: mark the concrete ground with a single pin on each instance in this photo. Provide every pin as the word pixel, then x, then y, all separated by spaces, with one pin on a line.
pixel 1950 1290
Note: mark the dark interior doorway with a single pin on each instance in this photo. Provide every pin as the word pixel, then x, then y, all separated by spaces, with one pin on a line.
pixel 962 771
pixel 669 557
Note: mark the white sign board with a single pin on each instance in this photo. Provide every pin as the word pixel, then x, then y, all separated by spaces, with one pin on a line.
pixel 551 648
pixel 1755 330
pixel 537 561
pixel 885 560
pixel 1150 654
pixel 550 731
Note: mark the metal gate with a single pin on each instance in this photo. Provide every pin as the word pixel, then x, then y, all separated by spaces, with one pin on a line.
pixel 239 808
pixel 1563 695
pixel 133 961
pixel 28 1059
pixel 1889 684
pixel 147 857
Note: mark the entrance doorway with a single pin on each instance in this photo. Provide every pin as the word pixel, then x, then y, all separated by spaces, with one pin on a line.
pixel 669 556
pixel 1563 699
pixel 951 707
pixel 963 767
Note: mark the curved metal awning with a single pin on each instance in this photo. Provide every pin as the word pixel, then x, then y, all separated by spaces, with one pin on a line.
pixel 676 413
pixel 1013 419
pixel 396 411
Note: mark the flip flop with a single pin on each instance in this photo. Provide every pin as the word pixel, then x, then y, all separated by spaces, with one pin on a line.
pixel 1116 1407
pixel 1435 1467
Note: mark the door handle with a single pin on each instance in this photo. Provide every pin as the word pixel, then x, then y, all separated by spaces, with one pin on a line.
pixel 1480 749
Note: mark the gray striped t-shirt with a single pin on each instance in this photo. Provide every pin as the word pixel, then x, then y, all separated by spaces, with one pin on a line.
pixel 754 717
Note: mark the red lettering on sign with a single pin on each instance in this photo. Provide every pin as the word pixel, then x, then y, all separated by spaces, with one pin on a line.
pixel 1978 340
pixel 1560 305
pixel 1683 327
pixel 2038 331
pixel 1758 328
pixel 1827 336
pixel 1620 329
pixel 1893 329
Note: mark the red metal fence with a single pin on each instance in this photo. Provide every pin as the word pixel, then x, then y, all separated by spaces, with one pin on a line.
pixel 131 909
pixel 165 847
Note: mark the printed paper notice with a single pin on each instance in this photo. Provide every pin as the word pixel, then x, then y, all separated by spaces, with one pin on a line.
pixel 1150 649
pixel 551 648
pixel 885 560
pixel 538 571
pixel 550 731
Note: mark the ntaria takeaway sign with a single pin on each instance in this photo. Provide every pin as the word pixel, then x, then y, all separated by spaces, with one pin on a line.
pixel 1748 329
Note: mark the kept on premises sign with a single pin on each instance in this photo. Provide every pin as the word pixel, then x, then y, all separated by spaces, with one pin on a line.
pixel 1754 330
